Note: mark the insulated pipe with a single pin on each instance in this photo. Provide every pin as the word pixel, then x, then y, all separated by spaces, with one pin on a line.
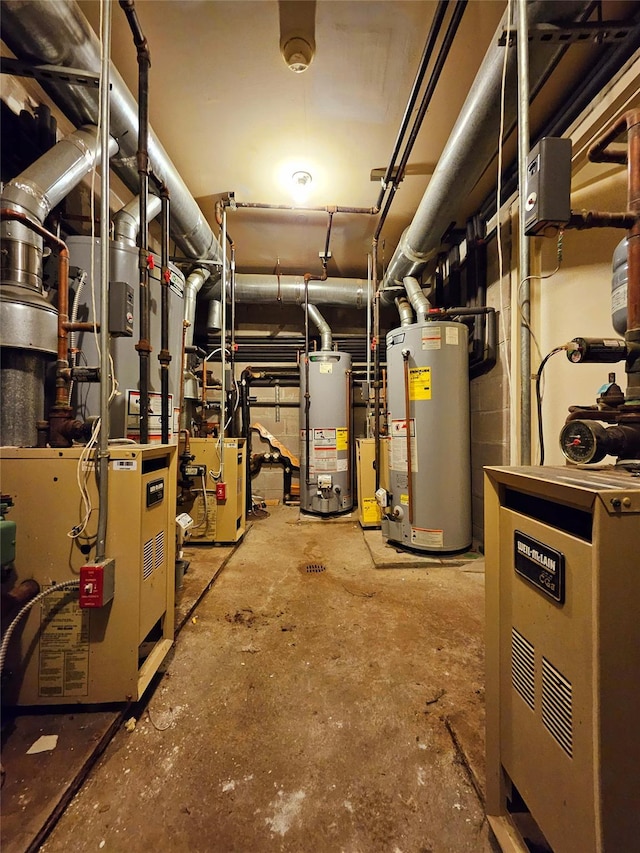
pixel 55 32
pixel 404 310
pixel 418 300
pixel 322 326
pixel 472 144
pixel 126 222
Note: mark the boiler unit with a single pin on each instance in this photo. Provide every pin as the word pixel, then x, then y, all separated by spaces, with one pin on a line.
pixel 368 508
pixel 218 491
pixel 325 433
pixel 103 639
pixel 124 327
pixel 427 501
pixel 563 657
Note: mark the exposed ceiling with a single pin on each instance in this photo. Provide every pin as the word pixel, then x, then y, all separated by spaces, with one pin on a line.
pixel 234 118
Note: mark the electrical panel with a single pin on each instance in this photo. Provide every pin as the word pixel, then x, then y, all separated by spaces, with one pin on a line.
pixel 547 200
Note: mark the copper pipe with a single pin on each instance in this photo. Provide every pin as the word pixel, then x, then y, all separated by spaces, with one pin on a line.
pixel 407 415
pixel 600 219
pixel 81 327
pixel 6 213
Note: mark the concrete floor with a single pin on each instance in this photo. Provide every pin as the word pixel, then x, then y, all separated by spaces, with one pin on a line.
pixel 335 710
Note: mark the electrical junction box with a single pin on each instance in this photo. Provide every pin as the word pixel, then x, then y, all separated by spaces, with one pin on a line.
pixel 120 309
pixel 547 200
pixel 221 491
pixel 562 586
pixel 97 583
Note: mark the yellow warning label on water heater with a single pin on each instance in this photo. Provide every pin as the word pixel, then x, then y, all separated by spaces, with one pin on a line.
pixel 342 438
pixel 419 383
pixel 404 500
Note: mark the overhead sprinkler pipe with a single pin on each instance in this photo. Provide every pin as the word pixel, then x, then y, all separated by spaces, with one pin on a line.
pixel 322 326
pixel 143 346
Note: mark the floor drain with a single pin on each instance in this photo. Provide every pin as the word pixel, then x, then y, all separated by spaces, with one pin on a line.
pixel 315 568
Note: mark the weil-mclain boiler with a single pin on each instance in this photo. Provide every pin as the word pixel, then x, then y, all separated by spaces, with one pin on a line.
pixel 427 501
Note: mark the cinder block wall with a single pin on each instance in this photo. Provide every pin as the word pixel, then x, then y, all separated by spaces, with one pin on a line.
pixel 490 423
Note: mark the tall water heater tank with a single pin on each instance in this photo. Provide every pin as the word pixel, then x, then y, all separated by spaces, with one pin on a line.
pixel 325 460
pixel 125 409
pixel 428 419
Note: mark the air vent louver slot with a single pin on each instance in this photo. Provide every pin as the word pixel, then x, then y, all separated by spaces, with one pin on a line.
pixel 557 706
pixel 159 549
pixel 147 558
pixel 523 668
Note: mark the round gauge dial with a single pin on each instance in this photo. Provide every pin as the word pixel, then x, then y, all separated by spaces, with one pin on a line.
pixel 579 442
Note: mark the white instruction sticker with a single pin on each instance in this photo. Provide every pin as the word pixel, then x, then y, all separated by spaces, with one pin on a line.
pixel 452 336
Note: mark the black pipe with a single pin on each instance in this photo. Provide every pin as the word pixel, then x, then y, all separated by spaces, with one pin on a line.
pixel 432 82
pixel 245 407
pixel 143 346
pixel 375 343
pixel 429 47
pixel 326 245
pixel 489 355
pixel 164 356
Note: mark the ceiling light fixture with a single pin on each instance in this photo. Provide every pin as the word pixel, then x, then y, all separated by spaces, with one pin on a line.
pixel 301 185
pixel 298 54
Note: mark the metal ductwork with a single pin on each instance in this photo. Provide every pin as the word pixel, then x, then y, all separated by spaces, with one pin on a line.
pixel 326 338
pixel 28 320
pixel 404 310
pixel 126 222
pixel 192 287
pixel 290 289
pixel 473 142
pixel 418 300
pixel 55 32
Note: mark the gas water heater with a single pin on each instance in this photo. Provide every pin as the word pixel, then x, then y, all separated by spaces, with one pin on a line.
pixel 325 433
pixel 427 500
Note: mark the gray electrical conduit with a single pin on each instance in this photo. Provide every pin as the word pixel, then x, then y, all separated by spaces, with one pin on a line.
pixel 7 637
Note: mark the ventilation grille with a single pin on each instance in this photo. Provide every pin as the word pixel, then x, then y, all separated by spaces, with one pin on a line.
pixel 147 558
pixel 523 668
pixel 159 549
pixel 557 707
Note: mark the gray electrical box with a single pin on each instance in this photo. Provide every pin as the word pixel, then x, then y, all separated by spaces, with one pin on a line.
pixel 120 309
pixel 547 199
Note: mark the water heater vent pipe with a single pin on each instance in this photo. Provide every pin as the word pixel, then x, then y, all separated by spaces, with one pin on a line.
pixel 326 338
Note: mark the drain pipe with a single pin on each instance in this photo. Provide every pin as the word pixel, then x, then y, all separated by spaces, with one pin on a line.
pixel 524 289
pixel 321 324
pixel 102 463
pixel 143 346
pixel 418 300
pixel 404 310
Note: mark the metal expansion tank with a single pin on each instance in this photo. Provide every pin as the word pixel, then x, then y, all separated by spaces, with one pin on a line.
pixel 125 417
pixel 325 457
pixel 428 414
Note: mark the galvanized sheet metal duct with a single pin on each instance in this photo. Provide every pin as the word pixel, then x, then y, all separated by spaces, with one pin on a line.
pixel 290 289
pixel 126 222
pixel 326 338
pixel 55 32
pixel 473 142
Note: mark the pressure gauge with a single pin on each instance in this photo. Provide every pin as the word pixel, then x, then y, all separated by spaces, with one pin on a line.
pixel 582 441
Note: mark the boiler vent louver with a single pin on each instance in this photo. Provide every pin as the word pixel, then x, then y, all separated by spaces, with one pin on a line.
pixel 557 706
pixel 147 558
pixel 523 668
